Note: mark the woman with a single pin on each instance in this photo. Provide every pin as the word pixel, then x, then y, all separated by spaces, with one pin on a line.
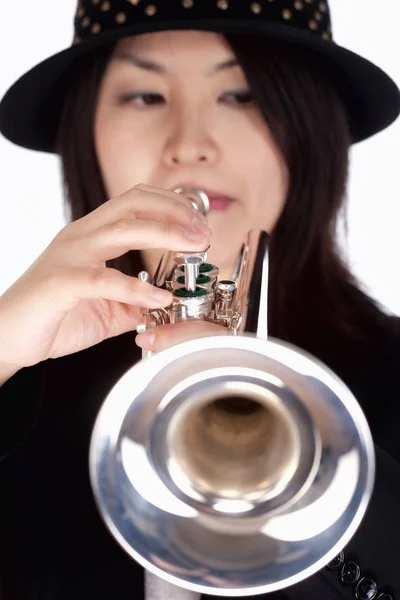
pixel 255 104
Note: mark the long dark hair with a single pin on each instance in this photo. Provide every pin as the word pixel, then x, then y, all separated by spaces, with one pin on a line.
pixel 315 301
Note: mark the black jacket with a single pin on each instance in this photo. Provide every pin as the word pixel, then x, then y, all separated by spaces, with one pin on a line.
pixel 53 544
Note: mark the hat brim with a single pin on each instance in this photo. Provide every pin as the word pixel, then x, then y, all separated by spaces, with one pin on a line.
pixel 30 110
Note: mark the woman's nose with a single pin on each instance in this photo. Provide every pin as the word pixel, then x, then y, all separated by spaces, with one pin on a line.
pixel 190 142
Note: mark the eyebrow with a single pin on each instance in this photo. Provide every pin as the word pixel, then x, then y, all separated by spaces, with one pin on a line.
pixel 154 67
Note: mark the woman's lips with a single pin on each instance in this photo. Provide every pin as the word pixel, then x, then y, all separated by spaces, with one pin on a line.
pixel 219 203
pixel 218 200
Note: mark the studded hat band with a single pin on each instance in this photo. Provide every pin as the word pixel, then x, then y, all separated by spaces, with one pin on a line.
pixel 95 16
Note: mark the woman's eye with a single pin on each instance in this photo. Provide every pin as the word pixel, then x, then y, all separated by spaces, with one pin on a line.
pixel 142 99
pixel 243 97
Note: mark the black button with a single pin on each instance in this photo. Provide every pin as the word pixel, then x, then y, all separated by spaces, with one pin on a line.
pixel 350 573
pixel 385 596
pixel 366 589
pixel 336 562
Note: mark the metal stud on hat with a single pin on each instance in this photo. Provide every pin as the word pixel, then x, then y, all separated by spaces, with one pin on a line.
pixel 30 110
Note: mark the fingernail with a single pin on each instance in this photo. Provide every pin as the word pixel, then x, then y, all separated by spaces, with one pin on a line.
pixel 200 216
pixel 197 236
pixel 145 340
pixel 199 224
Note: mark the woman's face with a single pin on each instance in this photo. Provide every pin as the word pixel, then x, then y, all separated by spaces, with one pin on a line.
pixel 175 109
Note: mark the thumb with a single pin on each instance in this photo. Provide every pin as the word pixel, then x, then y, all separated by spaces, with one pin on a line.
pixel 163 336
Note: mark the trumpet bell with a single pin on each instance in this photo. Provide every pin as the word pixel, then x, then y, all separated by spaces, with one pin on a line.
pixel 231 465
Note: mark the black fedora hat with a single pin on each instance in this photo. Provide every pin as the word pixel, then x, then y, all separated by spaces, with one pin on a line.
pixel 30 110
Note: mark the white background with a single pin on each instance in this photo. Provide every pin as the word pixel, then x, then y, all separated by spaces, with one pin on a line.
pixel 31 207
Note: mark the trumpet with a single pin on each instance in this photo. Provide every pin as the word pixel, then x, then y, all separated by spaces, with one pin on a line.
pixel 229 465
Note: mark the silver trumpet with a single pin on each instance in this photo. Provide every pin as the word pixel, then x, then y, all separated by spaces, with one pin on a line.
pixel 229 465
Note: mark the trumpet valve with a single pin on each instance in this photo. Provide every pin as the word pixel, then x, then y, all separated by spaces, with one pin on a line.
pixel 224 297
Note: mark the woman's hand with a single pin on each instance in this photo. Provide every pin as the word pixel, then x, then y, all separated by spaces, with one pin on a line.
pixel 163 336
pixel 68 300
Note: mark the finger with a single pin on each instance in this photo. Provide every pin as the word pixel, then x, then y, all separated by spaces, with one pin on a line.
pixel 163 336
pixel 73 284
pixel 174 196
pixel 141 202
pixel 118 238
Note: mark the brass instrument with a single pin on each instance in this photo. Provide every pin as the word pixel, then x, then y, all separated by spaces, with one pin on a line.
pixel 230 465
